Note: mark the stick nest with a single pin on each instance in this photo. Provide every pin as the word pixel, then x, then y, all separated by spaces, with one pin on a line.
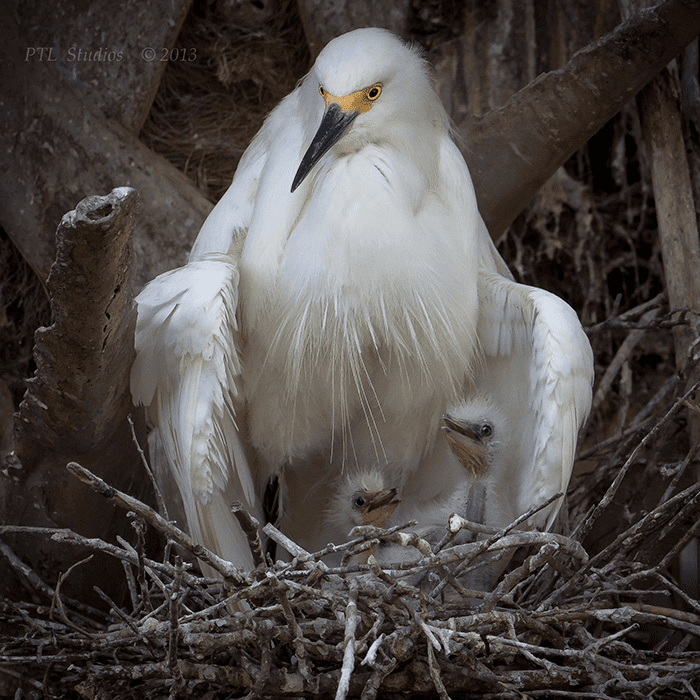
pixel 560 623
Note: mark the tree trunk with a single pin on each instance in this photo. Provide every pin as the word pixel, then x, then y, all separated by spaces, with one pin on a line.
pixel 76 406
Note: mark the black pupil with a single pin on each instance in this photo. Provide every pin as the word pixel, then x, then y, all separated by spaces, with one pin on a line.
pixel 359 501
pixel 486 430
pixel 373 92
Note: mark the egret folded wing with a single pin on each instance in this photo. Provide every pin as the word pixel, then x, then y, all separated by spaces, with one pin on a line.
pixel 538 368
pixel 187 373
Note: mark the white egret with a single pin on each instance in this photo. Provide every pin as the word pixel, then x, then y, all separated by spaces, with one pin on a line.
pixel 370 299
pixel 475 430
pixel 363 499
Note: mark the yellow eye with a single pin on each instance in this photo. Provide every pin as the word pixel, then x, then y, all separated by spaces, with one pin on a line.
pixel 374 92
pixel 321 91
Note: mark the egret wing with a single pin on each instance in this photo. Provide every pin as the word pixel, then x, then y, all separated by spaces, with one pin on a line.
pixel 187 373
pixel 229 220
pixel 538 367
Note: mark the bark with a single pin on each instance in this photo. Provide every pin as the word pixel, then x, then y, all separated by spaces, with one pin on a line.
pixel 56 148
pixel 503 46
pixel 513 150
pixel 678 233
pixel 678 230
pixel 76 405
pixel 97 47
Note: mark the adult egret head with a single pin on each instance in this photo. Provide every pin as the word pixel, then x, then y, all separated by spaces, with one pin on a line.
pixel 475 430
pixel 370 83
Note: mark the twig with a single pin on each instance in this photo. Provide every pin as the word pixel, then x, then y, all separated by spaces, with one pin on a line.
pixel 26 571
pixel 584 527
pixel 127 619
pixel 297 634
pixel 250 526
pixel 532 563
pixel 630 314
pixel 288 545
pixel 66 536
pixel 225 568
pixel 57 603
pixel 140 549
pixel 368 533
pixel 131 585
pixel 162 509
pixel 621 356
pixel 174 632
pixel 435 673
pixel 670 489
pixel 348 643
pixel 638 424
pixel 625 540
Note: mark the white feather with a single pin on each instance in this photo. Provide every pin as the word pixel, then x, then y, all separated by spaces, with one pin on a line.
pixel 538 368
pixel 359 290
pixel 187 372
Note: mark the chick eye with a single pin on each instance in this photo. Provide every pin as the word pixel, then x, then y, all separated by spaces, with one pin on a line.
pixel 486 430
pixel 321 91
pixel 358 502
pixel 374 92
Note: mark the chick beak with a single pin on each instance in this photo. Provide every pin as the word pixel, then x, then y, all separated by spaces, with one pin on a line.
pixel 470 430
pixel 380 507
pixel 334 124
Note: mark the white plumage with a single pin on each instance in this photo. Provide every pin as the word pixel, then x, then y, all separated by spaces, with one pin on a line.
pixel 187 371
pixel 370 299
pixel 364 497
pixel 475 430
pixel 539 372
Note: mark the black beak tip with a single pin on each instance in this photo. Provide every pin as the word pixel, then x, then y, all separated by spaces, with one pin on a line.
pixel 334 124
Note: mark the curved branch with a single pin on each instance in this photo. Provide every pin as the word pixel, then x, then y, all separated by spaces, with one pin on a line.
pixel 512 151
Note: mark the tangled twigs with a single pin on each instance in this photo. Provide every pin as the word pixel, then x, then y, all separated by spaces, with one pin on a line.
pixel 225 568
pixel 584 527
pixel 557 622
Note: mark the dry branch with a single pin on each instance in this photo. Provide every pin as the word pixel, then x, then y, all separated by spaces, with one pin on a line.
pixel 154 519
pixel 544 120
pixel 58 148
pixel 80 391
pixel 76 405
